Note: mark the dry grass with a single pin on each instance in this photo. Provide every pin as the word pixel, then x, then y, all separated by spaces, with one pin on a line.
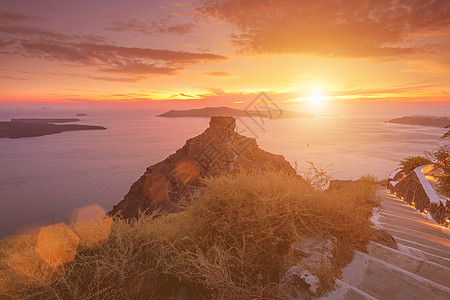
pixel 231 243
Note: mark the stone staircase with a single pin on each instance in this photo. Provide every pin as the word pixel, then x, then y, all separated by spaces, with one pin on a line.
pixel 418 269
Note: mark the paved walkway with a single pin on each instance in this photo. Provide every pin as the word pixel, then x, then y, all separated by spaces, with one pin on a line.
pixel 418 269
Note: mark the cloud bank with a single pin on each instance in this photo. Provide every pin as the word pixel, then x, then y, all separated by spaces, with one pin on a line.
pixel 333 28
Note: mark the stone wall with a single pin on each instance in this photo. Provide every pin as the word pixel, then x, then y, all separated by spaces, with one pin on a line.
pixel 415 190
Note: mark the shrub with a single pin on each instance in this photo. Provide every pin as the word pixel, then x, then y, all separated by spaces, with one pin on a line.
pixel 441 156
pixel 318 177
pixel 410 163
pixel 231 243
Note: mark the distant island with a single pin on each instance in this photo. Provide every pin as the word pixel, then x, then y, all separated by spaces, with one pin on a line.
pixel 422 120
pixel 44 121
pixel 80 115
pixel 208 112
pixel 19 128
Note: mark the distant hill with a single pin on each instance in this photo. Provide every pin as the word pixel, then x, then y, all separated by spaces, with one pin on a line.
pixel 19 128
pixel 44 121
pixel 208 112
pixel 422 120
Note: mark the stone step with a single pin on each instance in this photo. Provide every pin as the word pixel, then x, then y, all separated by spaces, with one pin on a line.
pixel 345 291
pixel 391 202
pixel 426 269
pixel 414 251
pixel 423 242
pixel 442 240
pixel 422 225
pixel 424 248
pixel 399 208
pixel 413 217
pixel 382 280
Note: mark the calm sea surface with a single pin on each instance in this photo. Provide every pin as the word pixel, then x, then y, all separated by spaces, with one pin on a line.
pixel 44 179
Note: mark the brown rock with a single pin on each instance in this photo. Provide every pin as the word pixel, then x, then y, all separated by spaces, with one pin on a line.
pixel 384 238
pixel 218 149
pixel 339 184
pixel 319 251
pixel 219 123
pixel 299 282
pixel 296 284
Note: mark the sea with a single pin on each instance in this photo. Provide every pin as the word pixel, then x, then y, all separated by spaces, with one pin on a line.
pixel 45 179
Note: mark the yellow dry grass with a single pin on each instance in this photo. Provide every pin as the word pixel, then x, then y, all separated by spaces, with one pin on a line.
pixel 231 243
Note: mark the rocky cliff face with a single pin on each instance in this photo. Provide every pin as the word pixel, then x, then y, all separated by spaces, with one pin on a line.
pixel 218 149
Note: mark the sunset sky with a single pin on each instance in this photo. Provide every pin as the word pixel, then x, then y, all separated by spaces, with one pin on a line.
pixel 182 54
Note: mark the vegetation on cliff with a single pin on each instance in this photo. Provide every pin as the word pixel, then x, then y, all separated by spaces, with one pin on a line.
pixel 441 157
pixel 232 242
pixel 410 163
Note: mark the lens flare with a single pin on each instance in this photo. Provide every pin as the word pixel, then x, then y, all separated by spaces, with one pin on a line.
pixel 156 187
pixel 57 244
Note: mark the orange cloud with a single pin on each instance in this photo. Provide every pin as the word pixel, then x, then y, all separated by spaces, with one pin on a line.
pixel 333 28
pixel 161 27
pixel 218 73
pixel 138 68
pixel 11 17
pixel 88 54
pixel 19 32
pixel 92 51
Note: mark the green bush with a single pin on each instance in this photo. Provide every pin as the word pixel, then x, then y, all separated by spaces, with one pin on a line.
pixel 441 156
pixel 410 163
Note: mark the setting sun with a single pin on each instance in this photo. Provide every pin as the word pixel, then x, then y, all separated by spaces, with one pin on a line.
pixel 315 98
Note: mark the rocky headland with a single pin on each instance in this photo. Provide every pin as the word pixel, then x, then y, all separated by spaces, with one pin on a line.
pixel 218 149
pixel 422 120
pixel 208 112
pixel 20 128
pixel 44 121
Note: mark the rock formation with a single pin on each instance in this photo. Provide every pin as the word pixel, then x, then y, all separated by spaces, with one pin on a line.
pixel 422 120
pixel 218 149
pixel 317 253
pixel 44 121
pixel 20 129
pixel 217 111
pixel 336 184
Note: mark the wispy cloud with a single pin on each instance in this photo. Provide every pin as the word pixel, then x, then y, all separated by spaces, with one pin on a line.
pixel 153 27
pixel 218 73
pixel 138 68
pixel 118 79
pixel 95 52
pixel 20 32
pixel 12 17
pixel 87 54
pixel 408 92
